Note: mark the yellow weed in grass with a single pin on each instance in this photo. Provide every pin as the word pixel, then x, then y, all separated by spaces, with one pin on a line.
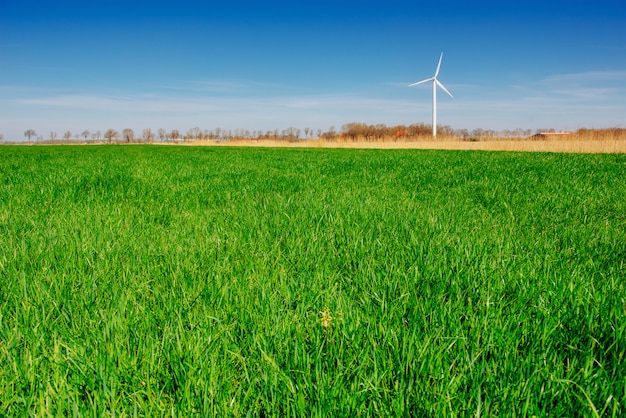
pixel 327 319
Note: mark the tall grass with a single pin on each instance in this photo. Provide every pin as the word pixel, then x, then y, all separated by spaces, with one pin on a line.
pixel 307 282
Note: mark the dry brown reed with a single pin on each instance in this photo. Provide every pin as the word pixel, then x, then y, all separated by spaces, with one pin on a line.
pixel 583 141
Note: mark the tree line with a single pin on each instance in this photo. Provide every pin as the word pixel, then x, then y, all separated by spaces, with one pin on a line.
pixel 349 132
pixel 128 135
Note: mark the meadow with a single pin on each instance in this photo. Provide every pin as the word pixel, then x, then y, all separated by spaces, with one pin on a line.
pixel 150 281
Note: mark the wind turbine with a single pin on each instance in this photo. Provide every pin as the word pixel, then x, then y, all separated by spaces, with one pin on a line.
pixel 435 84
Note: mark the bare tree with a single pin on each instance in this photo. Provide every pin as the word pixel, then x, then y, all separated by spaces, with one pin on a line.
pixel 1 137
pixel 162 133
pixel 111 134
pixel 53 136
pixel 29 133
pixel 174 135
pixel 128 135
pixel 67 135
pixel 147 135
pixel 291 134
pixel 85 134
pixel 331 134
pixel 96 135
pixel 477 133
pixel 194 133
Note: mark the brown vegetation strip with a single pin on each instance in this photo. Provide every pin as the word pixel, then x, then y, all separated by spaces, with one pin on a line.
pixel 565 146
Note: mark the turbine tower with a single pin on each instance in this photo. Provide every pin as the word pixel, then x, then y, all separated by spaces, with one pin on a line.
pixel 435 84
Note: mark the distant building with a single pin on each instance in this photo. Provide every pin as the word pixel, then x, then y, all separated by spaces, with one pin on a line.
pixel 551 135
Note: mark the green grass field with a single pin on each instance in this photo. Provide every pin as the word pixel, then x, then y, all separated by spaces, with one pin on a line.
pixel 178 281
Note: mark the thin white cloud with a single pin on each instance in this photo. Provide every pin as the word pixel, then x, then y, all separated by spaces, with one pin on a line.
pixel 223 87
pixel 586 77
pixel 591 86
pixel 158 104
pixel 591 93
pixel 120 103
pixel 591 90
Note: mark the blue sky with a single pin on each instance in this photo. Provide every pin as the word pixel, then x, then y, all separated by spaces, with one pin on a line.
pixel 76 65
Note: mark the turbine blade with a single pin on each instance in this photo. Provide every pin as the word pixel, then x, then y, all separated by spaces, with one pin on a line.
pixel 422 82
pixel 439 65
pixel 444 89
